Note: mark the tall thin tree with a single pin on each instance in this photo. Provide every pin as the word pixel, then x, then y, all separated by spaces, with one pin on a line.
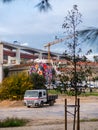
pixel 70 25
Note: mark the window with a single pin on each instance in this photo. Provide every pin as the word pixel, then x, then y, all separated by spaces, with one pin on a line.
pixel 44 93
pixel 40 94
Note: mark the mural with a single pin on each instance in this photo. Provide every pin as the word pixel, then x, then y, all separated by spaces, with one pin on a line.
pixel 43 69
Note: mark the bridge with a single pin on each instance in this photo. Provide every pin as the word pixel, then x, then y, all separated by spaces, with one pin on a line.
pixel 17 50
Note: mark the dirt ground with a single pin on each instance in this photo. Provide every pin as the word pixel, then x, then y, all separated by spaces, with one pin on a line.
pixel 54 124
pixel 60 100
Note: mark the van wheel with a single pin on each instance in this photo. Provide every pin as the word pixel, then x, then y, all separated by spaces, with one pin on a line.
pixel 51 103
pixel 28 106
pixel 41 104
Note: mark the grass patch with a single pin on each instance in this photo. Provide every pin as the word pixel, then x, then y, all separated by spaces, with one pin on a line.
pixel 89 120
pixel 89 94
pixel 54 92
pixel 13 122
pixel 71 93
pixel 57 92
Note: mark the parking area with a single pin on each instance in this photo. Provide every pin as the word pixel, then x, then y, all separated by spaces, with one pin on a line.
pixel 49 116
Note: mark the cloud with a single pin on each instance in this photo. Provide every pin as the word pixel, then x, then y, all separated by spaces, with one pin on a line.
pixel 24 44
pixel 90 57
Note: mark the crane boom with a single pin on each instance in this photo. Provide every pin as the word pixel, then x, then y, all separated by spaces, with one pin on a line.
pixel 55 42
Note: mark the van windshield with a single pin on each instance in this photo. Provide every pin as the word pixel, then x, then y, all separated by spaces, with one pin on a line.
pixel 31 94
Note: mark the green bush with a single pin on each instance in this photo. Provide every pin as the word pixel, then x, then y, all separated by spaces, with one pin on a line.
pixel 37 80
pixel 14 87
pixel 13 122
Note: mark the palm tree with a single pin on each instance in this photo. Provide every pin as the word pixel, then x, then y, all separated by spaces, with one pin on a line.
pixel 43 5
pixel 90 35
pixel 4 1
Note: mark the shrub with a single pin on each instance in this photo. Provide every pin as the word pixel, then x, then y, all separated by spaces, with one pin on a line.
pixel 13 122
pixel 14 87
pixel 37 80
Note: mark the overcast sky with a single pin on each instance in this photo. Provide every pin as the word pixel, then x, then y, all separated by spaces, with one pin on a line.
pixel 21 21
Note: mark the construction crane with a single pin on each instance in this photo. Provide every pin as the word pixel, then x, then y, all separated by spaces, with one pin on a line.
pixel 48 45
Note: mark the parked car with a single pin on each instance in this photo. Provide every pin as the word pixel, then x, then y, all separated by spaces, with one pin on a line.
pixel 91 85
pixel 51 86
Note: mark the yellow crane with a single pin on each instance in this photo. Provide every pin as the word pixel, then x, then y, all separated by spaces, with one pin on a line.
pixel 55 42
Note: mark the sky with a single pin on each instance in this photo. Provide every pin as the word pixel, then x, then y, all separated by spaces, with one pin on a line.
pixel 21 21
